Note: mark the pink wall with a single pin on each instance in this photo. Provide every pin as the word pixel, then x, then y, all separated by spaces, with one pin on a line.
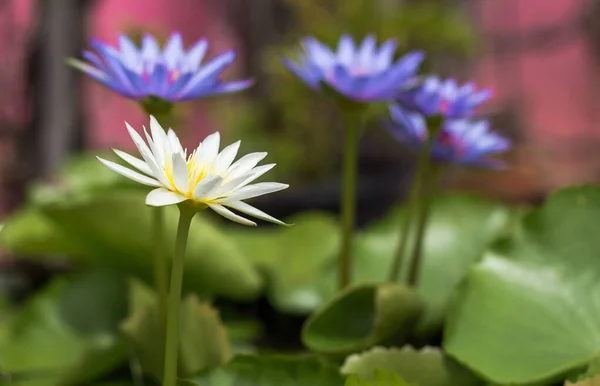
pixel 556 87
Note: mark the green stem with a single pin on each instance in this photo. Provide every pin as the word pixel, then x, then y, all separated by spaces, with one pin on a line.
pixel 348 205
pixel 172 340
pixel 426 193
pixel 405 227
pixel 160 262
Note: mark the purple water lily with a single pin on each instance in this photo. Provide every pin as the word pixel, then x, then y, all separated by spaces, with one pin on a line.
pixel 460 141
pixel 363 73
pixel 446 98
pixel 172 74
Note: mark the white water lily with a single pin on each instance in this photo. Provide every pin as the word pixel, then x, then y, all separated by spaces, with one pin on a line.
pixel 207 177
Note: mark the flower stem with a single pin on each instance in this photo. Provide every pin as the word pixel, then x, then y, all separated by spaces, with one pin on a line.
pixel 160 262
pixel 348 205
pixel 426 176
pixel 405 227
pixel 172 339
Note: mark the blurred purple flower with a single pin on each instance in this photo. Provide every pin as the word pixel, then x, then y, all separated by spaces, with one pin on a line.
pixel 362 73
pixel 459 141
pixel 446 98
pixel 171 73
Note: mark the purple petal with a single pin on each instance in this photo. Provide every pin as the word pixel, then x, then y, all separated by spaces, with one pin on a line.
pixel 211 69
pixel 115 67
pixel 306 76
pixel 194 56
pixel 319 54
pixel 346 51
pixel 159 81
pixel 95 60
pixel 222 88
pixel 129 54
pixel 150 52
pixel 173 51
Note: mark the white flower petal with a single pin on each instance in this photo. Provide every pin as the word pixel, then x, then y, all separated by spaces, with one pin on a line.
pixel 158 152
pixel 254 190
pixel 147 155
pixel 163 197
pixel 180 173
pixel 137 177
pixel 230 215
pixel 159 136
pixel 241 181
pixel 252 211
pixel 228 187
pixel 244 164
pixel 209 150
pixel 133 161
pixel 206 186
pixel 255 173
pixel 226 157
pixel 174 141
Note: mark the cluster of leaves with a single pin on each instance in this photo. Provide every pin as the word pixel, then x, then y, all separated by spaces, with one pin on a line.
pixel 278 120
pixel 513 294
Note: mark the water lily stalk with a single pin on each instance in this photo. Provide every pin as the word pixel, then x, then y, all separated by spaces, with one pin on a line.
pixel 405 227
pixel 160 262
pixel 426 175
pixel 348 204
pixel 186 213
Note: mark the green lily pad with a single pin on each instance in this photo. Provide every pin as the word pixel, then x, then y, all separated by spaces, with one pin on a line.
pixel 114 228
pixel 460 229
pixel 426 367
pixel 380 378
pixel 203 343
pixel 43 343
pixel 273 370
pixel 361 317
pixel 29 233
pixel 292 257
pixel 528 312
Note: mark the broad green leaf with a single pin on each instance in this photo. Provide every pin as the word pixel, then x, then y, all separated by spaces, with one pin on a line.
pixel 29 233
pixel 302 267
pixel 42 344
pixel 379 378
pixel 528 312
pixel 426 367
pixel 292 257
pixel 594 381
pixel 81 175
pixel 203 338
pixel 273 370
pixel 114 228
pixel 361 317
pixel 460 229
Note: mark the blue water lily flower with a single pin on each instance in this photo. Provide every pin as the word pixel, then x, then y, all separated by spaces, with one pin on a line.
pixel 446 98
pixel 460 141
pixel 172 74
pixel 363 73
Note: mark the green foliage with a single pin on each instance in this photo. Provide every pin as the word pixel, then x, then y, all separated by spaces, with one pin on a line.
pixel 428 366
pixel 380 378
pixel 292 257
pixel 273 370
pixel 203 342
pixel 116 231
pixel 52 340
pixel 292 120
pixel 300 262
pixel 528 312
pixel 361 317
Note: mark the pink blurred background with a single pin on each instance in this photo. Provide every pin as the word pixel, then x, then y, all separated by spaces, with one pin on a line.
pixel 551 86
